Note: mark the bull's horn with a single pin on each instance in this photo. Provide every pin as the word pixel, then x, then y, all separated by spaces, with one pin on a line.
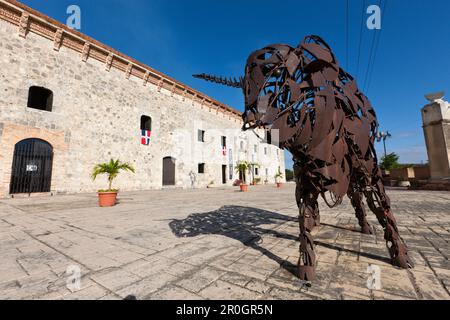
pixel 227 82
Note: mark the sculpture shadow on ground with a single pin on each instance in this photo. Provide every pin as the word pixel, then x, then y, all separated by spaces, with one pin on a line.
pixel 246 225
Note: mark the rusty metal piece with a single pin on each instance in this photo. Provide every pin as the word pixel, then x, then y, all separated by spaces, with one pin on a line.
pixel 330 128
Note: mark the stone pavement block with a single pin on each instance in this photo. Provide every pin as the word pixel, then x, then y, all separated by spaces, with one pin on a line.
pixel 382 295
pixel 416 257
pixel 221 263
pixel 259 286
pixel 236 278
pixel 93 292
pixel 351 292
pixel 35 286
pixel 172 292
pixel 326 254
pixel 179 269
pixel 442 274
pixel 111 296
pixel 429 286
pixel 144 268
pixel 221 290
pixel 397 282
pixel 114 279
pixel 10 269
pixel 142 288
pixel 11 290
pixel 200 279
pixel 250 271
pixel 204 256
pixel 98 262
pixel 292 285
pixel 285 294
pixel 123 256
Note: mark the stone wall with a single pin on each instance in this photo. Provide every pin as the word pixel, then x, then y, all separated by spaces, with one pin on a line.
pixel 96 116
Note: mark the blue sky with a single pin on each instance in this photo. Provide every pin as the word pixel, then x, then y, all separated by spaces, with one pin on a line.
pixel 180 38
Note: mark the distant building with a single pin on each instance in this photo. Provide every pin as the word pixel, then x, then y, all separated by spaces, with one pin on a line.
pixel 68 102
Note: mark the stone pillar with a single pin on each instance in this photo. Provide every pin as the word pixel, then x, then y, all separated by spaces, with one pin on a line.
pixel 436 127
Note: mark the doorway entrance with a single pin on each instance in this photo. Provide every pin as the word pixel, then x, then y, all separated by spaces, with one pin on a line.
pixel 224 174
pixel 168 171
pixel 32 167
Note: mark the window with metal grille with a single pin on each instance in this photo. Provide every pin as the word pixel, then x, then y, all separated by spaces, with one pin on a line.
pixel 40 98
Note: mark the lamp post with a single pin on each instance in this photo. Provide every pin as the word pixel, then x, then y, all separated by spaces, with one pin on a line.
pixel 383 136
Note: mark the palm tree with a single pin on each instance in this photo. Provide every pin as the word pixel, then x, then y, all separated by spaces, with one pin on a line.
pixel 242 167
pixel 278 176
pixel 252 166
pixel 112 169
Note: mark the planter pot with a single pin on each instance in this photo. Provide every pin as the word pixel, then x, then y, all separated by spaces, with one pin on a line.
pixel 404 183
pixel 279 184
pixel 107 199
pixel 243 187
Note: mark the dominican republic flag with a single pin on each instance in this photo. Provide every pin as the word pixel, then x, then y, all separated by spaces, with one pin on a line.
pixel 145 137
pixel 224 151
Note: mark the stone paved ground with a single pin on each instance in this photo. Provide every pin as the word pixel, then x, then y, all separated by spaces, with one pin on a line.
pixel 214 244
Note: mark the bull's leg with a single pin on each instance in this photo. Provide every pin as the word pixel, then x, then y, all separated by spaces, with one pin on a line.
pixel 308 215
pixel 379 203
pixel 356 199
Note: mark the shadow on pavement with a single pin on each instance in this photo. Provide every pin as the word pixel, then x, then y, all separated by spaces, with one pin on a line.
pixel 244 224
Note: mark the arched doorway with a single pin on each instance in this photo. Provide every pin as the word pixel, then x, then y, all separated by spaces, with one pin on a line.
pixel 32 167
pixel 168 171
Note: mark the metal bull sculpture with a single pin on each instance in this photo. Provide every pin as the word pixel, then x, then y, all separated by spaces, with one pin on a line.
pixel 329 126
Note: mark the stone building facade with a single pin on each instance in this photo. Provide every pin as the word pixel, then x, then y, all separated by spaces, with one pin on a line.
pixel 88 103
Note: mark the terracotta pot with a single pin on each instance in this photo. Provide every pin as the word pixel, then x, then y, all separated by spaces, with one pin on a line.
pixel 243 187
pixel 279 184
pixel 107 199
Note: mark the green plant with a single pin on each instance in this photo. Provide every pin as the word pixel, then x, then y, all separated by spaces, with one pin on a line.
pixel 252 166
pixel 278 175
pixel 243 167
pixel 289 174
pixel 389 161
pixel 111 169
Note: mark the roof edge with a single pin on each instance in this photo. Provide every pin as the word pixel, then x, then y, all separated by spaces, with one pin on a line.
pixel 31 20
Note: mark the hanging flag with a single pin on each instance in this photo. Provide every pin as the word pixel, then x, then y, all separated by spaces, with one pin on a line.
pixel 145 137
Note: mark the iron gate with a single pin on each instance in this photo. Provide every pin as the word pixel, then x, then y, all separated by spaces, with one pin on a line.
pixel 32 167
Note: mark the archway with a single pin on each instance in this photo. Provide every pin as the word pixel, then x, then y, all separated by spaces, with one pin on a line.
pixel 168 171
pixel 32 167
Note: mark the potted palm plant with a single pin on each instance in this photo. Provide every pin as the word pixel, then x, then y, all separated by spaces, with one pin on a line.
pixel 252 167
pixel 242 167
pixel 278 178
pixel 107 198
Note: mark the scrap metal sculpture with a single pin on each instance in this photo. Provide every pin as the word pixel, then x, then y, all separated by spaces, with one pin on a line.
pixel 330 128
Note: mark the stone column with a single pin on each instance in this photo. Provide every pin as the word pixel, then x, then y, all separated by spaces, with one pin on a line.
pixel 436 127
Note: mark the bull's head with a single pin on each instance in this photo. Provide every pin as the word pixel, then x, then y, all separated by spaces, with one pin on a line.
pixel 279 81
